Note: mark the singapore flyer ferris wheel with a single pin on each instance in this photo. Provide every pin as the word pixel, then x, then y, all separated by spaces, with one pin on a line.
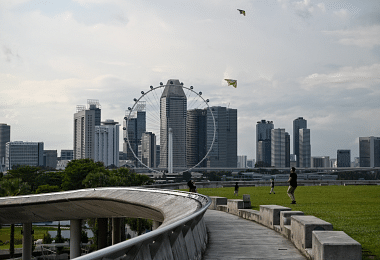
pixel 170 128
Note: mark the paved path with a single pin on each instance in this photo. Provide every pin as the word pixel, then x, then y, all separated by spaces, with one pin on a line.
pixel 232 237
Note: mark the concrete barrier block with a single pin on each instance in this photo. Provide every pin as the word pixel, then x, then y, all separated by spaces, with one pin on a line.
pixel 215 201
pixel 335 245
pixel 302 228
pixel 247 201
pixel 234 206
pixel 250 214
pixel 285 221
pixel 270 214
pixel 222 208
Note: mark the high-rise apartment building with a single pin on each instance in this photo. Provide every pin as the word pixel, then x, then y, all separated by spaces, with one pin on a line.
pixel 263 142
pixel 67 155
pixel 107 143
pixel 136 127
pixel 369 151
pixel 173 112
pixel 298 124
pixel 304 148
pixel 24 153
pixel 148 149
pixel 320 161
pixel 242 161
pixel 343 158
pixel 85 120
pixel 224 149
pixel 278 148
pixel 5 137
pixel 196 137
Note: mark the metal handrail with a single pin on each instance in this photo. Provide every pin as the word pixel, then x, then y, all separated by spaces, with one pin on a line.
pixel 122 248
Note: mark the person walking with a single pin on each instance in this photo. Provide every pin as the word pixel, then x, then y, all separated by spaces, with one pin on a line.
pixel 236 189
pixel 292 184
pixel 272 186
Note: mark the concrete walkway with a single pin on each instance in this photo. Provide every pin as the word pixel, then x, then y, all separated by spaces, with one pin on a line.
pixel 231 237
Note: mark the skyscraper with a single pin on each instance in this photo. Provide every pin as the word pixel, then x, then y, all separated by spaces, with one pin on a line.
pixel 85 121
pixel 287 149
pixel 107 143
pixel 343 158
pixel 298 124
pixel 24 153
pixel 50 159
pixel 136 127
pixel 369 151
pixel 263 142
pixel 196 137
pixel 224 149
pixel 148 149
pixel 173 112
pixel 278 148
pixel 304 148
pixel 232 138
pixel 5 137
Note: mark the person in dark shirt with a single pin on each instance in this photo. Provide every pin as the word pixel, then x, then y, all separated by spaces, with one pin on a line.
pixel 236 189
pixel 292 184
pixel 272 186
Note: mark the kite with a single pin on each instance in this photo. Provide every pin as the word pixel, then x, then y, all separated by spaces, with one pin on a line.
pixel 241 11
pixel 231 82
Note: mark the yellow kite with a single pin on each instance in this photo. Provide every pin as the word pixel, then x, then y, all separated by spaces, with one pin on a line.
pixel 241 11
pixel 231 82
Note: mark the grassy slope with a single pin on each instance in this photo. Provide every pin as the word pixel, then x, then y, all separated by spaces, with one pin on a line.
pixel 353 209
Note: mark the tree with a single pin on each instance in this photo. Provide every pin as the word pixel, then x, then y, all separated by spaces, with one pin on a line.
pixel 59 239
pixel 26 173
pixel 139 225
pixel 96 179
pixel 47 238
pixel 124 177
pixel 47 189
pixel 77 170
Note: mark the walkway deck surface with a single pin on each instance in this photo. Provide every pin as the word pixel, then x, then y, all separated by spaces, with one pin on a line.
pixel 232 237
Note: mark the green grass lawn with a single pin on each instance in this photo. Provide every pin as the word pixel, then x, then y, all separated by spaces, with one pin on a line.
pixel 38 233
pixel 352 209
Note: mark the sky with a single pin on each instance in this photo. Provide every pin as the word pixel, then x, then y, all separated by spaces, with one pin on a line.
pixel 319 60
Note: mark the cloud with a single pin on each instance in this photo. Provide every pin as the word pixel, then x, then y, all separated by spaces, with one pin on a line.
pixel 354 76
pixel 9 54
pixel 303 8
pixel 365 37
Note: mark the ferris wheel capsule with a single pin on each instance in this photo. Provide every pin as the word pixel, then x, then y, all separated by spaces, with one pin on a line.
pixel 161 83
pixel 200 93
pixel 129 108
pixel 142 92
pixel 207 100
pixel 135 99
pixel 151 87
pixel 191 87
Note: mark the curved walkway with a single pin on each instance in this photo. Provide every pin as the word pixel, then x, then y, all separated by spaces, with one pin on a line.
pixel 231 237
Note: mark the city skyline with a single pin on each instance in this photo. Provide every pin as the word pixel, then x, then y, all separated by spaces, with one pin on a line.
pixel 319 60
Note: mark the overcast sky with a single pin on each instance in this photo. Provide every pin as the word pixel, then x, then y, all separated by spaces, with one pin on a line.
pixel 316 59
